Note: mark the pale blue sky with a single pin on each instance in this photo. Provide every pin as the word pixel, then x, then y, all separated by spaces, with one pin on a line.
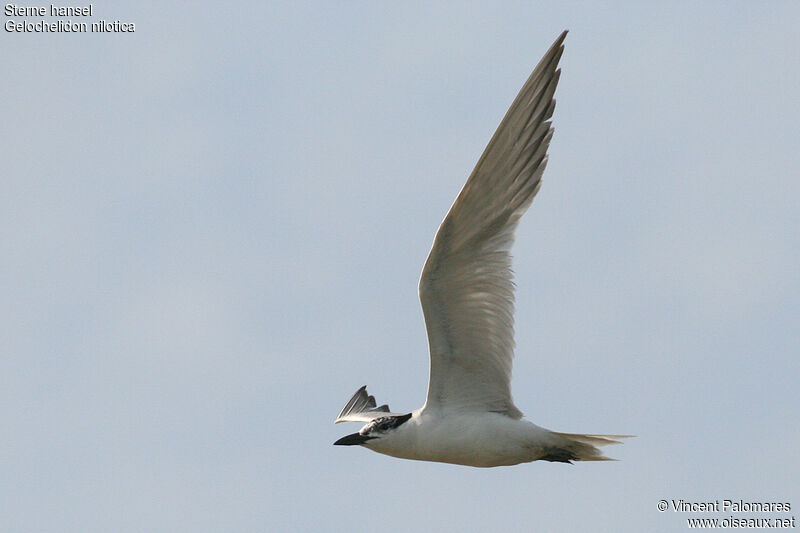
pixel 212 231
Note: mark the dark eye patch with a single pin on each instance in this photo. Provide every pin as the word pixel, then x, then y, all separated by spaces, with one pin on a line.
pixel 385 423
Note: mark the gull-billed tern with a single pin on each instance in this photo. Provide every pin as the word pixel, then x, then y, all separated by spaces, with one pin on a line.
pixel 467 296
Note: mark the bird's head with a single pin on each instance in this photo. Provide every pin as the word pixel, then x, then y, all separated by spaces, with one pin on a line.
pixel 375 429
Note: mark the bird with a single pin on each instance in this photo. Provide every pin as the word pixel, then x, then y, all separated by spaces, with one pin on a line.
pixel 467 295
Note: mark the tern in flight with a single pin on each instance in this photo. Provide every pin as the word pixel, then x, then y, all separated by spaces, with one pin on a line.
pixel 467 295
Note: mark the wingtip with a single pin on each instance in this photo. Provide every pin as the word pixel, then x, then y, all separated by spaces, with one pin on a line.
pixel 557 47
pixel 360 403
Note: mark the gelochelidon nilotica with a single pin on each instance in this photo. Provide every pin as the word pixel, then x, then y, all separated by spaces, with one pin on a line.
pixel 467 296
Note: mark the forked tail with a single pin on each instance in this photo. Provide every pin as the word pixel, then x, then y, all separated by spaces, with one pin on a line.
pixel 578 447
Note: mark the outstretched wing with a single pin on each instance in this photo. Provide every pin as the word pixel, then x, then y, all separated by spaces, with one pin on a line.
pixel 466 289
pixel 362 408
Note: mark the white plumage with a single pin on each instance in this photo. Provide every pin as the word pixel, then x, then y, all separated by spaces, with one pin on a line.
pixel 467 295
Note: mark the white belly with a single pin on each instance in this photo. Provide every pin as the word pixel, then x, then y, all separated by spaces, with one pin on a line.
pixel 473 439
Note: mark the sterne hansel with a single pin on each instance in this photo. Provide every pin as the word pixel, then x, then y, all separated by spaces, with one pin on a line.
pixel 467 297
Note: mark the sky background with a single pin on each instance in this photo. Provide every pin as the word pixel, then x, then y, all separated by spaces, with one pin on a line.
pixel 212 231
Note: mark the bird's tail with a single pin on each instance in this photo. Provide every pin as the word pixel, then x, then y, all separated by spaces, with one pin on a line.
pixel 578 447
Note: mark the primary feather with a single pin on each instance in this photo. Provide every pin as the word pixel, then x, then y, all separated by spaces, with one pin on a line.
pixel 467 288
pixel 362 408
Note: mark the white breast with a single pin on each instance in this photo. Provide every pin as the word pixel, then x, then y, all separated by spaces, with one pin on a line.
pixel 473 439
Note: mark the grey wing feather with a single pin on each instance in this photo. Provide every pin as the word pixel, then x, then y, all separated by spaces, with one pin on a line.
pixel 466 288
pixel 362 408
